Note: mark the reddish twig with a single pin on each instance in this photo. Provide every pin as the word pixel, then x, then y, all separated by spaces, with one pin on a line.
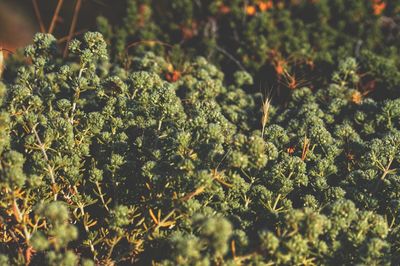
pixel 38 16
pixel 65 38
pixel 55 16
pixel 73 25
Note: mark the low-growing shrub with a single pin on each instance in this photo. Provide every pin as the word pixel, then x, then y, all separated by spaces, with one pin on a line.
pixel 150 143
pixel 105 165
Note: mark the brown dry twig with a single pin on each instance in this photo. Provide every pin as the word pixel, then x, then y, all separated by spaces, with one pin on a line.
pixel 73 25
pixel 38 16
pixel 55 16
pixel 65 38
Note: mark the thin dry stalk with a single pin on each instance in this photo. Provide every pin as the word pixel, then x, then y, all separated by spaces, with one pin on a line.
pixel 1 61
pixel 55 16
pixel 231 57
pixel 265 114
pixel 73 25
pixel 306 147
pixel 65 38
pixel 38 16
pixel 147 42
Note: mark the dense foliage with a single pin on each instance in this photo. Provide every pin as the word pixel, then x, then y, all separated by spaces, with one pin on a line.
pixel 117 157
pixel 282 43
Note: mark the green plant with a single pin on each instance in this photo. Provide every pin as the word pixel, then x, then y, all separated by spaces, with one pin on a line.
pixel 136 157
pixel 114 165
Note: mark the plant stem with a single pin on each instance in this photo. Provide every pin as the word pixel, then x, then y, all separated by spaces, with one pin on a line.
pixel 50 169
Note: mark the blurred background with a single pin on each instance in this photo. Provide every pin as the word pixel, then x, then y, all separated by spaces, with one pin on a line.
pixel 20 19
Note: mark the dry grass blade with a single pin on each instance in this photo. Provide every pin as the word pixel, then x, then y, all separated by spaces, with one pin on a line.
pixel 265 114
pixel 38 16
pixel 306 147
pixel 73 25
pixel 153 216
pixel 55 16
